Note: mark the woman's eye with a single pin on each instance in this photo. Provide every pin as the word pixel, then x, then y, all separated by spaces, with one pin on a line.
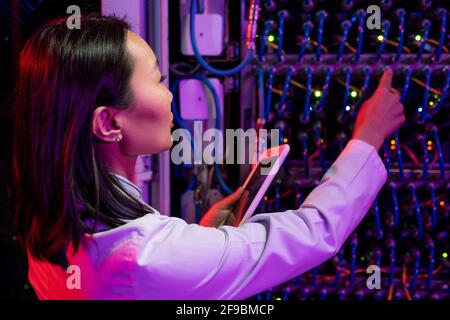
pixel 163 78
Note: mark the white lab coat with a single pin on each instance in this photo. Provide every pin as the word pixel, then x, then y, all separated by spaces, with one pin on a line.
pixel 161 257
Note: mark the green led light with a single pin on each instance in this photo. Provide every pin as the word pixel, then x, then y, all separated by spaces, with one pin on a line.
pixel 418 37
pixel 317 93
pixel 380 38
pixel 445 255
pixel 271 38
pixel 435 96
pixel 353 94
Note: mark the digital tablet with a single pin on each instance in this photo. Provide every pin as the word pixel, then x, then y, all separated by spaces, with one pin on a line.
pixel 261 176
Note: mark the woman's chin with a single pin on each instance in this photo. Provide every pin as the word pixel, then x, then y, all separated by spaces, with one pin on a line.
pixel 169 143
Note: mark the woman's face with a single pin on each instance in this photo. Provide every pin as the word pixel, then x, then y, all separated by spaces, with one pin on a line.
pixel 146 124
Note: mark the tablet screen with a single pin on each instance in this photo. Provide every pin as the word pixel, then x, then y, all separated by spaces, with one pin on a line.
pixel 255 183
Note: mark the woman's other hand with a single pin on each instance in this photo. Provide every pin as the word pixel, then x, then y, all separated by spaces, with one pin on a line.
pixel 227 211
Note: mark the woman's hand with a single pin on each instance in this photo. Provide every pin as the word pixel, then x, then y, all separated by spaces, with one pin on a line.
pixel 381 115
pixel 227 211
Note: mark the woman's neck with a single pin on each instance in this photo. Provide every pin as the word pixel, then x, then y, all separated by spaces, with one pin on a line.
pixel 119 163
pixel 125 170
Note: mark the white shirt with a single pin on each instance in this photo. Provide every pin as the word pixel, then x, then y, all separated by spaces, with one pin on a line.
pixel 161 257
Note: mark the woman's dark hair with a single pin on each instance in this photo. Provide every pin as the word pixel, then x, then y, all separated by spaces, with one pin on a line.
pixel 59 177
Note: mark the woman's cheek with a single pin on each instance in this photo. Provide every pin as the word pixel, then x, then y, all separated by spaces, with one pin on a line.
pixel 147 138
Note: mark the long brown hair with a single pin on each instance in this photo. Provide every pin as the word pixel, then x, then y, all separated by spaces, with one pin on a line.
pixel 59 178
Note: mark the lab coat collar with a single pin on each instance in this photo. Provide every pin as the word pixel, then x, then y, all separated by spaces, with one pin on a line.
pixel 129 186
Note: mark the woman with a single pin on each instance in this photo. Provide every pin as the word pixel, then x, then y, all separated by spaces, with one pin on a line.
pixel 89 102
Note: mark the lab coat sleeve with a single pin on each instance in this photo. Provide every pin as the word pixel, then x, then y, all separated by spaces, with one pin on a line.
pixel 182 261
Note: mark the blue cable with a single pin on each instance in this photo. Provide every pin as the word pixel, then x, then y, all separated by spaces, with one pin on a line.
pixel 198 212
pixel 307 26
pixel 415 200
pixel 298 195
pixel 401 14
pixel 437 141
pixel 270 5
pixel 192 183
pixel 268 25
pixel 387 157
pixel 318 108
pixel 203 62
pixel 406 84
pixel 286 294
pixel 443 31
pixel 399 155
pixel 280 130
pixel 424 112
pixel 339 267
pixel 395 205
pixel 287 84
pixel 305 293
pixel 277 195
pixel 367 74
pixel 444 91
pixel 426 32
pixel 360 295
pixel 386 27
pixel 396 134
pixel 281 17
pixel 323 294
pixel 413 282
pixel 391 245
pixel 307 109
pixel 426 157
pixel 261 93
pixel 201 8
pixel 342 294
pixel 354 246
pixel 378 256
pixel 321 15
pixel 180 122
pixel 304 141
pixel 317 135
pixel 376 211
pixel 227 190
pixel 361 20
pixel 346 25
pixel 432 190
pixel 314 272
pixel 269 92
pixel 344 111
pixel 431 249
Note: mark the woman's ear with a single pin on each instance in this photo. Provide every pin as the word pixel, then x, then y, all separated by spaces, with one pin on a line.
pixel 105 125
